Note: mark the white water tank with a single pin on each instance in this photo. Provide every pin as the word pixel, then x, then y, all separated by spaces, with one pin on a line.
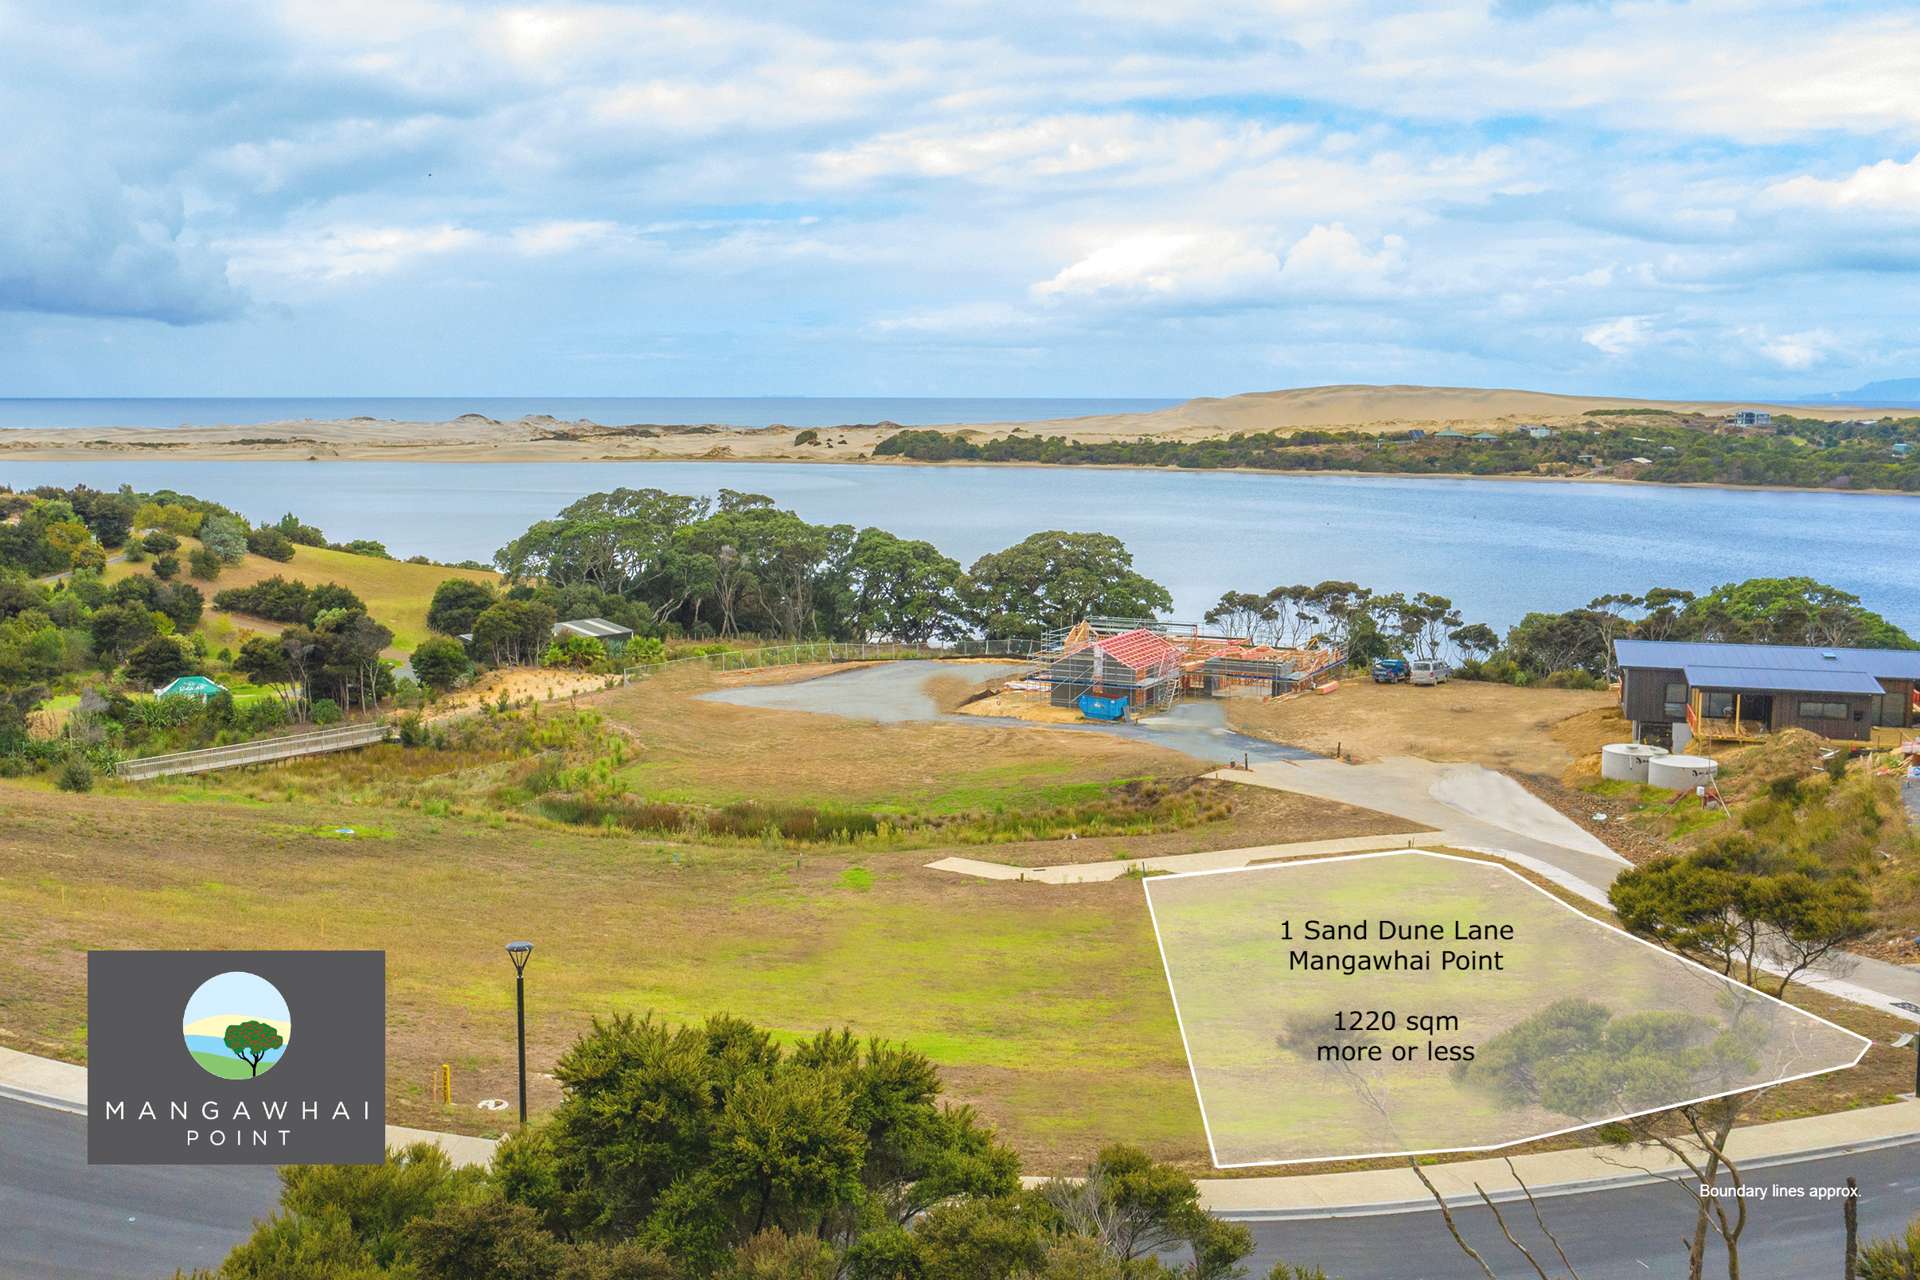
pixel 1680 773
pixel 1627 761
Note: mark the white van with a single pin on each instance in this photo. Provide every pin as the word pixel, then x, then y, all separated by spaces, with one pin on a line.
pixel 1428 672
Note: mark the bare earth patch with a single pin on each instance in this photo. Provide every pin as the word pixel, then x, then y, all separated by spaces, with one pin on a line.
pixel 1496 725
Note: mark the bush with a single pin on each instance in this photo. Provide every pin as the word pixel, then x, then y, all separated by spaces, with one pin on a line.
pixel 440 662
pixel 204 564
pixel 583 653
pixel 326 711
pixel 1573 679
pixel 159 542
pixel 270 543
pixel 75 775
pixel 166 568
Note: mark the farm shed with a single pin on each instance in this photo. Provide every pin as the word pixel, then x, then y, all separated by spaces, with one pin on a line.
pixel 611 635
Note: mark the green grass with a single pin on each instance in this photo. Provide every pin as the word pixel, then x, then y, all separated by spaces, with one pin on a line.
pixel 396 593
pixel 227 1067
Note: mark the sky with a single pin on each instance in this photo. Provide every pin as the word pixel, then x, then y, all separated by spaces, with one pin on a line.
pixel 957 197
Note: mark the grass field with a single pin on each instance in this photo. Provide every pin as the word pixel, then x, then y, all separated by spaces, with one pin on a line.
pixel 396 593
pixel 1046 1007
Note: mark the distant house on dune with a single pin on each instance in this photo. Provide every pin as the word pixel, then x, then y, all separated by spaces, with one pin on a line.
pixel 1752 418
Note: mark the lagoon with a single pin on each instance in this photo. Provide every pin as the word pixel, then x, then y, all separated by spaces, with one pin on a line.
pixel 1498 548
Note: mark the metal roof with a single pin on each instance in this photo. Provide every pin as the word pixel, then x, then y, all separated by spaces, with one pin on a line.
pixel 1886 664
pixel 599 628
pixel 1775 679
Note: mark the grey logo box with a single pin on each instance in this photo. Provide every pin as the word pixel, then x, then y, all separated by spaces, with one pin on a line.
pixel 323 1100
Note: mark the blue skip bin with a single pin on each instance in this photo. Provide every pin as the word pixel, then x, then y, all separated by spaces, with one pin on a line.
pixel 1095 707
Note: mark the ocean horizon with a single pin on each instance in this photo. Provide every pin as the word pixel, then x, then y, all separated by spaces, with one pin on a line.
pixel 741 411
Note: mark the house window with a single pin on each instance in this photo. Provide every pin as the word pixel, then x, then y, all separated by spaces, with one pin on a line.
pixel 1823 711
pixel 1676 700
pixel 1717 705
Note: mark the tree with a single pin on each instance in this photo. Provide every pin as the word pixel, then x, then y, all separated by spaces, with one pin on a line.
pixel 1476 640
pixel 166 567
pixel 440 663
pixel 263 661
pixel 118 629
pixel 1052 580
pixel 251 1041
pixel 225 536
pixel 456 603
pixel 204 564
pixel 159 660
pixel 1794 610
pixel 902 590
pixel 270 543
pixel 513 632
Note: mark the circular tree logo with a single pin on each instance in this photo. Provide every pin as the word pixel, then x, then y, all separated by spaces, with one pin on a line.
pixel 236 1025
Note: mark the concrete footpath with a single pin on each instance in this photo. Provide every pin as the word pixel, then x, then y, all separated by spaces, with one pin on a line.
pixel 1556 1173
pixel 63 1086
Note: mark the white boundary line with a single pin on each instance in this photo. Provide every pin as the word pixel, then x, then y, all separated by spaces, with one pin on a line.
pixel 1146 885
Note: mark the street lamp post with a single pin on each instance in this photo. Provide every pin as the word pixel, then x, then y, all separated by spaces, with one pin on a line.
pixel 519 952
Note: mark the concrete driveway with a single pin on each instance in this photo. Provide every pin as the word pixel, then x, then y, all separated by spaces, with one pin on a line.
pixel 1469 806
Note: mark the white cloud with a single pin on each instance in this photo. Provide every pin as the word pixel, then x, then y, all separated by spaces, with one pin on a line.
pixel 1890 185
pixel 332 255
pixel 1333 258
pixel 1794 351
pixel 1165 264
pixel 1621 336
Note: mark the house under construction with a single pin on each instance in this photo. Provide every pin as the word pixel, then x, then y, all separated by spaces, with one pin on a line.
pixel 1141 664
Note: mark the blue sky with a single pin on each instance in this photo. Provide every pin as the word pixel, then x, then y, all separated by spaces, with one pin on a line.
pixel 1125 197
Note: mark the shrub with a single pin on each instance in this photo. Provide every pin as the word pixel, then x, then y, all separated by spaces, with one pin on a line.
pixel 159 542
pixel 326 711
pixel 583 653
pixel 166 567
pixel 270 543
pixel 440 662
pixel 75 775
pixel 204 564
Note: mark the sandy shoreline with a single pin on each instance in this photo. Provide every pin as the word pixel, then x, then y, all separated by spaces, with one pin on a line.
pixel 474 438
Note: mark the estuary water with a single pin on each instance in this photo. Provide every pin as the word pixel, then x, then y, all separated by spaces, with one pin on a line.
pixel 1498 548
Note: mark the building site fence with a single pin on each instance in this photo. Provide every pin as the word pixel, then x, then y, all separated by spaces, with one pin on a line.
pixel 788 655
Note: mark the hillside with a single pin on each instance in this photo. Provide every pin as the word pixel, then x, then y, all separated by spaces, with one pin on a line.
pixel 1366 409
pixel 396 593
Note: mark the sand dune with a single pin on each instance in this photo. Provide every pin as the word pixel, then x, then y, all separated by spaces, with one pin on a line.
pixel 473 438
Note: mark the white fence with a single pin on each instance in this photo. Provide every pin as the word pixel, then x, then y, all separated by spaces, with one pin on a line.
pixel 265 750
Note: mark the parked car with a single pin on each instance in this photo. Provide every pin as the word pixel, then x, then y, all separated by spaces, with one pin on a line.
pixel 1428 671
pixel 1390 671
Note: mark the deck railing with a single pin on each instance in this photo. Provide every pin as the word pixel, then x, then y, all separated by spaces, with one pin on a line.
pixel 261 751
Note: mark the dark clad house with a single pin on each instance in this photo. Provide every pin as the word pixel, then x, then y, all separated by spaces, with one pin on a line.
pixel 1674 691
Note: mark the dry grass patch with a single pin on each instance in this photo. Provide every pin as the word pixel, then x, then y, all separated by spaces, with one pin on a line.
pixel 1496 725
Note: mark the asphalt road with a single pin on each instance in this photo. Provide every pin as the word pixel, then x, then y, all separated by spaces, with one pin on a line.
pixel 60 1218
pixel 893 692
pixel 1633 1233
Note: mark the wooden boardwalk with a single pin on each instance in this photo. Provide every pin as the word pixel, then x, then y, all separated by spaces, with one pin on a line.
pixel 265 751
